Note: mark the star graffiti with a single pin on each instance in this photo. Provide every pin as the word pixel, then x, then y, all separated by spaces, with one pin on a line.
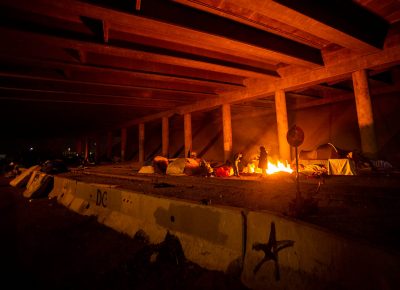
pixel 271 250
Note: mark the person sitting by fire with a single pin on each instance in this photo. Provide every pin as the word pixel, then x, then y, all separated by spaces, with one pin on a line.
pixel 237 158
pixel 263 160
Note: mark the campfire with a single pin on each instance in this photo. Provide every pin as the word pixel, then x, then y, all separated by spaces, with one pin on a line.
pixel 272 168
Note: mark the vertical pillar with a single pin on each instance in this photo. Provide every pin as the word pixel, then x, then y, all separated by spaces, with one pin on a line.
pixel 227 130
pixel 364 113
pixel 282 125
pixel 165 136
pixel 109 144
pixel 98 148
pixel 187 122
pixel 141 143
pixel 123 143
pixel 79 146
pixel 86 149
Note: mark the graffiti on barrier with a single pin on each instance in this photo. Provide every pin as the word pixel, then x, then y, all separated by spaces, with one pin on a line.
pixel 271 250
pixel 101 198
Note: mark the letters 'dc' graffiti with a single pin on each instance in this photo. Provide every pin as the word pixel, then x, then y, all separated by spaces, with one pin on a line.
pixel 101 198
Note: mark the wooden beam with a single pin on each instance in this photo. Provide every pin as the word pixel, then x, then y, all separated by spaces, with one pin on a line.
pixel 87 88
pixel 313 21
pixel 123 77
pixel 78 98
pixel 28 37
pixel 347 18
pixel 386 58
pixel 183 16
pixel 302 96
pixel 349 96
pixel 47 52
pixel 185 25
pixel 27 81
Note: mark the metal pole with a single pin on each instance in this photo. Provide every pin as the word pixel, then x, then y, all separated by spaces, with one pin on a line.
pixel 298 195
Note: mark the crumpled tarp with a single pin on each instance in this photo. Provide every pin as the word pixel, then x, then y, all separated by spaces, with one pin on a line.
pixel 183 166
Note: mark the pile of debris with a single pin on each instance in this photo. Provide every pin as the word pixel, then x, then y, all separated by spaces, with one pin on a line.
pixel 38 179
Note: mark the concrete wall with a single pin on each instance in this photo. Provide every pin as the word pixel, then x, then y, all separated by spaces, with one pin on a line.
pixel 235 241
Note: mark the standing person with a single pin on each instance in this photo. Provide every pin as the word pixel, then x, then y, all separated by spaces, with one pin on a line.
pixel 237 158
pixel 263 160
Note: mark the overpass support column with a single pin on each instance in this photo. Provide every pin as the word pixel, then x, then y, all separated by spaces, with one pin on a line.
pixel 97 148
pixel 227 130
pixel 87 149
pixel 109 144
pixel 165 137
pixel 79 146
pixel 282 125
pixel 123 143
pixel 187 121
pixel 141 143
pixel 364 113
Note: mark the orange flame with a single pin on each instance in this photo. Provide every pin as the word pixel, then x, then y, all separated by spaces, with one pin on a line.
pixel 272 168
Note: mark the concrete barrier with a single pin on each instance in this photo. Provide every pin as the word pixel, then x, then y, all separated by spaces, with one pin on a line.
pixel 210 236
pixel 62 186
pixel 64 190
pixel 273 252
pixel 286 254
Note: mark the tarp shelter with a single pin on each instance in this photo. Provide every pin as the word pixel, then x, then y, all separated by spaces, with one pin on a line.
pixel 183 166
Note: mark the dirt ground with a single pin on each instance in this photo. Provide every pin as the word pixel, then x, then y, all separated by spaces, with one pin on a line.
pixel 43 245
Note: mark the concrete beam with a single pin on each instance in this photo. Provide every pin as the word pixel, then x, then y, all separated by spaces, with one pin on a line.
pixel 227 131
pixel 165 136
pixel 123 143
pixel 282 125
pixel 109 144
pixel 187 119
pixel 141 143
pixel 364 113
